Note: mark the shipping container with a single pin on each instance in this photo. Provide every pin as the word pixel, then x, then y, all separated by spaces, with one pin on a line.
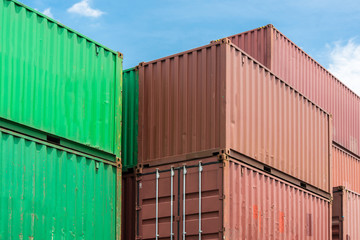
pixel 52 192
pixel 346 214
pixel 346 169
pixel 290 63
pixel 130 117
pixel 128 205
pixel 210 198
pixel 57 80
pixel 217 97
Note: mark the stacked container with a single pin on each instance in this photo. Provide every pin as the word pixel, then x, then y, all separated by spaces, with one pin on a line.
pixel 289 62
pixel 60 130
pixel 294 66
pixel 217 131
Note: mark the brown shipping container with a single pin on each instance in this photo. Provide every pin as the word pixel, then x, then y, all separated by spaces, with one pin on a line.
pixel 346 169
pixel 346 214
pixel 217 97
pixel 128 206
pixel 236 201
pixel 290 63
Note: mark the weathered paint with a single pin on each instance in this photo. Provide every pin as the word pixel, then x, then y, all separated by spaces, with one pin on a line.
pixel 237 202
pixel 217 97
pixel 130 116
pixel 273 123
pixel 346 169
pixel 289 62
pixel 260 206
pixel 56 80
pixel 346 214
pixel 50 192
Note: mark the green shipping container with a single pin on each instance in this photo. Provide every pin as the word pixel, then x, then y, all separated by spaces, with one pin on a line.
pixel 57 80
pixel 130 99
pixel 50 192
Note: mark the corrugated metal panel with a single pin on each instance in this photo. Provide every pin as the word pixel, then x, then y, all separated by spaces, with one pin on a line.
pixel 259 206
pixel 297 68
pixel 256 205
pixel 211 200
pixel 128 206
pixel 56 80
pixel 257 43
pixel 274 124
pixel 217 97
pixel 346 169
pixel 130 114
pixel 346 214
pixel 180 103
pixel 49 192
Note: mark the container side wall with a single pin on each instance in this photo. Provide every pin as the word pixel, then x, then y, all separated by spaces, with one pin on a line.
pixel 181 99
pixel 51 193
pixel 130 114
pixel 346 169
pixel 304 73
pixel 271 122
pixel 259 206
pixel 298 69
pixel 57 81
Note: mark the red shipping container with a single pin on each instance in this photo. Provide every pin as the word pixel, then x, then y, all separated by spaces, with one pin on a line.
pixel 290 63
pixel 346 214
pixel 236 201
pixel 346 169
pixel 216 98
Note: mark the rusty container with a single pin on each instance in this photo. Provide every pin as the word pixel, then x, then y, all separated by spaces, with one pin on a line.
pixel 289 62
pixel 346 214
pixel 346 169
pixel 216 98
pixel 219 197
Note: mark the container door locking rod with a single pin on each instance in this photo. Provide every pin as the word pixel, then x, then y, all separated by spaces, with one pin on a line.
pixel 172 203
pixel 184 199
pixel 157 205
pixel 200 170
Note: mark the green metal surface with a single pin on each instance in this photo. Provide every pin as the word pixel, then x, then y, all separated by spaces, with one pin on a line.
pixel 48 192
pixel 56 80
pixel 130 99
pixel 36 133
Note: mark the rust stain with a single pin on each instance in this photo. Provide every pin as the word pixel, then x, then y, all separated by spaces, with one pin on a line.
pixel 255 211
pixel 281 222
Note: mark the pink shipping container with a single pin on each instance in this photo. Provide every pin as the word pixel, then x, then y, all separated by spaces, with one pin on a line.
pixel 346 214
pixel 290 63
pixel 217 98
pixel 220 198
pixel 346 169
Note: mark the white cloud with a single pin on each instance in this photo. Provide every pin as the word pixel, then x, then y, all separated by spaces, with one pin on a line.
pixel 83 8
pixel 48 12
pixel 345 64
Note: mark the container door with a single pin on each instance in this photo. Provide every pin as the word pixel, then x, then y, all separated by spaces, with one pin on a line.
pixel 157 205
pixel 201 202
pixel 169 200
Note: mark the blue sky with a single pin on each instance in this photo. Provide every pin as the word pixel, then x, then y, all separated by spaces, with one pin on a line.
pixel 145 30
